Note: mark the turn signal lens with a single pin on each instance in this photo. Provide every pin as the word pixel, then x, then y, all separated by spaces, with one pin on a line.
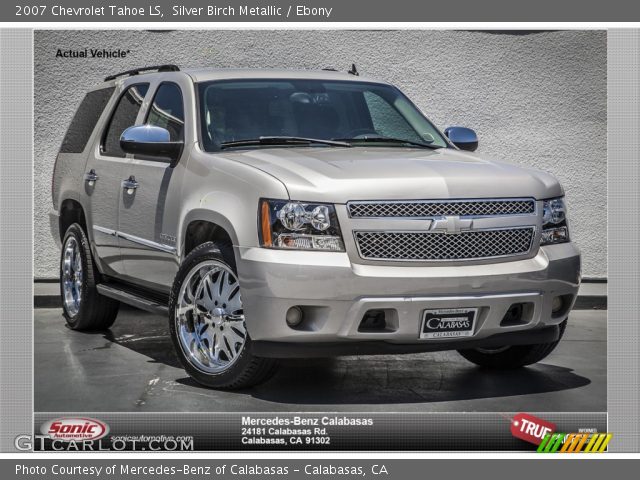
pixel 265 224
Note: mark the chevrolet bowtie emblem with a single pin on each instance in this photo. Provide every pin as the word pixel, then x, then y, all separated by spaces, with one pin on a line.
pixel 451 224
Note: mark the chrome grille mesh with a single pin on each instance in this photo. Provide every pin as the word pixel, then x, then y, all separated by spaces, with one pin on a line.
pixel 441 209
pixel 478 244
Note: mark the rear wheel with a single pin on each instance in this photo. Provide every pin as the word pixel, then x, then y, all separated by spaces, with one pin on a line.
pixel 82 306
pixel 515 356
pixel 207 322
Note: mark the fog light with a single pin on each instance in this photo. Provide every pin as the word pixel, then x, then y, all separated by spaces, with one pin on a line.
pixel 556 304
pixel 294 316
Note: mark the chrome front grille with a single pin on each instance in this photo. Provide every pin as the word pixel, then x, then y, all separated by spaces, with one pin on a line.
pixel 435 246
pixel 435 208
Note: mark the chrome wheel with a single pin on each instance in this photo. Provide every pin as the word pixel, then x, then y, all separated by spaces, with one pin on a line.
pixel 72 276
pixel 209 319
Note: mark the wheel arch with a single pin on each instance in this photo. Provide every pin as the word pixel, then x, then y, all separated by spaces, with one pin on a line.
pixel 202 226
pixel 71 211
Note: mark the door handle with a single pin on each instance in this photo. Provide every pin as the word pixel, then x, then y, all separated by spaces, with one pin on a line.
pixel 130 184
pixel 91 178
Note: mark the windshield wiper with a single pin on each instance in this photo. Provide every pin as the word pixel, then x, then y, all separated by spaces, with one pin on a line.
pixel 283 140
pixel 388 140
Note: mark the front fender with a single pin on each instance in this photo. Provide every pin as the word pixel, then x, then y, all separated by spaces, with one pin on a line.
pixel 206 215
pixel 226 193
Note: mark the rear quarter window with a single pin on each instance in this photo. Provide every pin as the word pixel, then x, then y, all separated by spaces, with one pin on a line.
pixel 85 119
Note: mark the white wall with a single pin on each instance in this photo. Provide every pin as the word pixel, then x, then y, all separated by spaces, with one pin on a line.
pixel 537 99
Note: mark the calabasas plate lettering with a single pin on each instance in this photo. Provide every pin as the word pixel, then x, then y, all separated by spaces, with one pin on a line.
pixel 448 323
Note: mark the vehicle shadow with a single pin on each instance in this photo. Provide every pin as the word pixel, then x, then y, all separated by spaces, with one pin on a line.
pixel 385 380
pixel 422 378
pixel 154 344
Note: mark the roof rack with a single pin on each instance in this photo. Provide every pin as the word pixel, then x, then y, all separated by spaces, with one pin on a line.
pixel 137 71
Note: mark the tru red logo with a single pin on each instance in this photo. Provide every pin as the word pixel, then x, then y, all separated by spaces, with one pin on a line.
pixel 530 428
pixel 74 429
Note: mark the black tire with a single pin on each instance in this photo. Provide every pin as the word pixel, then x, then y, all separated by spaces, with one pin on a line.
pixel 95 312
pixel 515 356
pixel 247 370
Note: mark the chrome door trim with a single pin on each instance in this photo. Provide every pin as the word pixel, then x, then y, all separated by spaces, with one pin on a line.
pixel 146 243
pixel 106 231
pixel 138 240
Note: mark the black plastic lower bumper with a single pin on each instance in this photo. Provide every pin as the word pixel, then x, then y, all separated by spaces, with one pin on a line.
pixel 336 349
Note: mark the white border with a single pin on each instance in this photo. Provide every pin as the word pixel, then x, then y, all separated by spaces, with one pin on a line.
pixel 276 455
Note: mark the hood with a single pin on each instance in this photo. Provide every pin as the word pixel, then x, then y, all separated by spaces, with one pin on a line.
pixel 338 175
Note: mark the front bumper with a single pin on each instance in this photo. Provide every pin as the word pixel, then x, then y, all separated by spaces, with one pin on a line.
pixel 335 295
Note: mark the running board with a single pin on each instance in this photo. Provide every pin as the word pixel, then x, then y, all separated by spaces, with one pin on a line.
pixel 132 299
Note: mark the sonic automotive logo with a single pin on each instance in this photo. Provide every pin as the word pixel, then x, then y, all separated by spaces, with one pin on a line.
pixel 75 429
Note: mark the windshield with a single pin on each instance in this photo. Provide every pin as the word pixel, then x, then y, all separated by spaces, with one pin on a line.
pixel 243 110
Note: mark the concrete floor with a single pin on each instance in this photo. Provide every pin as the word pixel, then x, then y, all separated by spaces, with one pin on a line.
pixel 132 367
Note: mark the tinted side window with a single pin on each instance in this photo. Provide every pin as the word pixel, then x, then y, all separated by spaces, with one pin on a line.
pixel 167 110
pixel 85 119
pixel 124 116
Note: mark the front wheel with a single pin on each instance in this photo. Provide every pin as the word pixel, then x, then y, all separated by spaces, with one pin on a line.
pixel 515 356
pixel 207 324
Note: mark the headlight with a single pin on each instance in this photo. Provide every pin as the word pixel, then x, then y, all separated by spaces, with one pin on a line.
pixel 299 225
pixel 554 222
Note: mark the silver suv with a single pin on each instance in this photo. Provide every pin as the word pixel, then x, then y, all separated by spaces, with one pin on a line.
pixel 274 214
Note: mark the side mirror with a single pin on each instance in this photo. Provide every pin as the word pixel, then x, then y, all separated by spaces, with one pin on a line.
pixel 463 138
pixel 152 141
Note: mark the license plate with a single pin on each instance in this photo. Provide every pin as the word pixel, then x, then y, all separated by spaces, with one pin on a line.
pixel 448 323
